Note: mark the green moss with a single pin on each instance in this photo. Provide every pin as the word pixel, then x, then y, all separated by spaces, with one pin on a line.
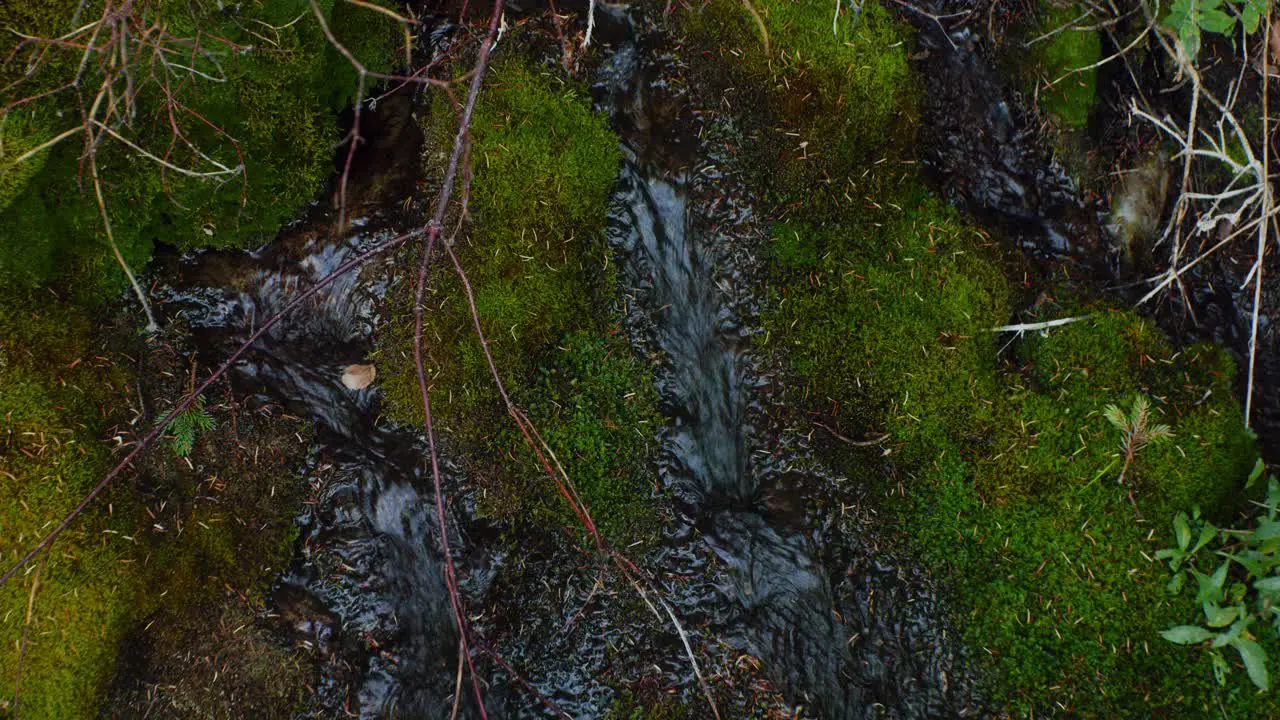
pixel 891 318
pixel 666 707
pixel 1005 470
pixel 596 407
pixel 1071 99
pixel 53 396
pixel 125 562
pixel 273 111
pixel 823 108
pixel 1050 556
pixel 544 164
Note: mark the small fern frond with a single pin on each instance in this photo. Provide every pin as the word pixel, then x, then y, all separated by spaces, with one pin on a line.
pixel 1140 413
pixel 187 425
pixel 1116 417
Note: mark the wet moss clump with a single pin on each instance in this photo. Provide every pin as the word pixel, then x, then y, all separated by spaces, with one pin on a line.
pixel 267 103
pixel 595 405
pixel 163 548
pixel 544 165
pixel 1057 58
pixel 55 398
pixel 819 108
pixel 890 318
pixel 1051 556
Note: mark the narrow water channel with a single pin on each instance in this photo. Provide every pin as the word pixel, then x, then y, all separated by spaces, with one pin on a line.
pixel 685 231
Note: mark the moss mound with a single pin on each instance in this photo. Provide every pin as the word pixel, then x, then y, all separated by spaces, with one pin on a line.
pixel 267 103
pixel 1049 555
pixel 157 551
pixel 595 405
pixel 54 393
pixel 544 165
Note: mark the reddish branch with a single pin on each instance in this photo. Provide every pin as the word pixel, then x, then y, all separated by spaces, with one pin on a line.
pixel 433 233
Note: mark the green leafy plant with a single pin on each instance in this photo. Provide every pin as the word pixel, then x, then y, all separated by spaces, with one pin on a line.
pixel 1188 18
pixel 1136 429
pixel 1232 602
pixel 188 425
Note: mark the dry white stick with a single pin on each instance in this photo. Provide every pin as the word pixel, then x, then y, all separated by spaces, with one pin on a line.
pixel 684 638
pixel 42 146
pixel 1263 227
pixel 181 170
pixel 591 24
pixel 1030 327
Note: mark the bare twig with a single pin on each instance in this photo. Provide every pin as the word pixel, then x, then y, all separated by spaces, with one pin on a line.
pixel 1031 327
pixel 433 233
pixel 26 630
pixel 764 31
pixel 1118 54
pixel 855 443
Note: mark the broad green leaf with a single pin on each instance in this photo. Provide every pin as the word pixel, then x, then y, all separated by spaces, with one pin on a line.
pixel 1267 585
pixel 1220 575
pixel 1255 661
pixel 1189 35
pixel 1218 617
pixel 1167 553
pixel 1273 496
pixel 1254 11
pixel 1214 20
pixel 1209 590
pixel 1207 533
pixel 1175 584
pixel 1250 18
pixel 1186 634
pixel 1266 530
pixel 1233 633
pixel 1181 530
pixel 1178 14
pixel 1259 564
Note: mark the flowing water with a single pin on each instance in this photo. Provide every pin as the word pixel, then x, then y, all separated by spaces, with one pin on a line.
pixel 686 232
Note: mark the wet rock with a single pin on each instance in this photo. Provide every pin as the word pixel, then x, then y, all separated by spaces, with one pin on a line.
pixel 359 376
pixel 1138 205
pixel 303 617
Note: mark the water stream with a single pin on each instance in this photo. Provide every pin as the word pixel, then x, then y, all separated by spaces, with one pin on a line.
pixel 686 233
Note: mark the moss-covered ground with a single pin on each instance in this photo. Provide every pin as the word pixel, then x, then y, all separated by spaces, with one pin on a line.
pixel 1053 69
pixel 267 102
pixel 1002 471
pixel 534 250
pixel 161 556
pixel 162 553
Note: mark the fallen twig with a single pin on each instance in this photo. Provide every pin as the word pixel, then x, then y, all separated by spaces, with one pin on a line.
pixel 1030 327
pixel 855 443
